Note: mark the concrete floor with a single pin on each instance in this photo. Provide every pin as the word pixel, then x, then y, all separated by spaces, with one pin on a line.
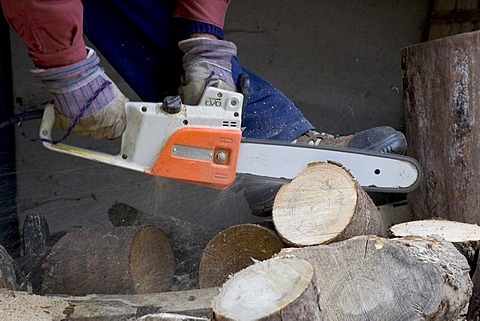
pixel 339 61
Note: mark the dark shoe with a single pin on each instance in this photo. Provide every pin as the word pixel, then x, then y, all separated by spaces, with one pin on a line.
pixel 382 139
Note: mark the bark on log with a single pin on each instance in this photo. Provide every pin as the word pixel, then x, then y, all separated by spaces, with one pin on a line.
pixel 188 241
pixel 169 317
pixel 372 278
pixel 8 279
pixel 442 101
pixel 21 306
pixel 276 289
pixel 465 237
pixel 125 260
pixel 324 204
pixel 234 249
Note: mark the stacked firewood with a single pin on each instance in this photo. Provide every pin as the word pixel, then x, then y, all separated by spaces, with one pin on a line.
pixel 324 256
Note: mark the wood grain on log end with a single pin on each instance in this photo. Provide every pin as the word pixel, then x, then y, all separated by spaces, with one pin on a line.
pixel 276 289
pixel 234 249
pixel 324 204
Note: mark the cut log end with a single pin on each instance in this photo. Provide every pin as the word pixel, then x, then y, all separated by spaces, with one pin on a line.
pixel 323 204
pixel 151 261
pixel 276 287
pixel 234 249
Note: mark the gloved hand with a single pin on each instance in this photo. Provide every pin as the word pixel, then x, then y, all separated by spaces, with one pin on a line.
pixel 206 63
pixel 77 85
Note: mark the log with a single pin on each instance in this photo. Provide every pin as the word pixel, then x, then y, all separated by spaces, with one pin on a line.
pixel 8 279
pixel 324 204
pixel 465 237
pixel 169 317
pixel 276 289
pixel 188 241
pixel 20 306
pixel 234 249
pixel 125 260
pixel 442 103
pixel 373 278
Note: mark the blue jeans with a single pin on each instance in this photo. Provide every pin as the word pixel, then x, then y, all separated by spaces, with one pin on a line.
pixel 139 39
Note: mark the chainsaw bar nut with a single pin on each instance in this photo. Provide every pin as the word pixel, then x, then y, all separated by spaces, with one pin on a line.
pixel 221 156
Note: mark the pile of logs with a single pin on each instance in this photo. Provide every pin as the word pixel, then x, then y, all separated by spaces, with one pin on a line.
pixel 325 256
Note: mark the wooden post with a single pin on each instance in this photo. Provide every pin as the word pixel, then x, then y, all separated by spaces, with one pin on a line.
pixel 442 102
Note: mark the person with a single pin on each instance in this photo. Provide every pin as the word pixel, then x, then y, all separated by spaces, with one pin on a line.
pixel 140 39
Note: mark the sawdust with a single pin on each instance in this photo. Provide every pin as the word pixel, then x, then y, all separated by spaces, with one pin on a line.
pixel 21 306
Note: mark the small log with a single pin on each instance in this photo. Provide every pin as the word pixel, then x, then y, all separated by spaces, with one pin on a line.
pixel 372 278
pixel 234 249
pixel 188 241
pixel 8 279
pixel 276 289
pixel 324 204
pixel 126 260
pixel 19 306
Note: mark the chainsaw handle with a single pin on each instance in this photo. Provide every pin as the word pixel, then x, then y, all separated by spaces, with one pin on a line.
pixel 46 128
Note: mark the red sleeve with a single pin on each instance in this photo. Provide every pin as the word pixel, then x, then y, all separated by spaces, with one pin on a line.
pixel 208 11
pixel 52 30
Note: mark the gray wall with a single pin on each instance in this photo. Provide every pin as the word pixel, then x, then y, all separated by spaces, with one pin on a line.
pixel 337 60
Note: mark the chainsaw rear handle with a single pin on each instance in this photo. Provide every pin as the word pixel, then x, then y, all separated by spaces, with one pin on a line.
pixel 199 144
pixel 46 128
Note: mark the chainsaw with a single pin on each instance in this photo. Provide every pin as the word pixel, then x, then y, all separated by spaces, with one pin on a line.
pixel 203 144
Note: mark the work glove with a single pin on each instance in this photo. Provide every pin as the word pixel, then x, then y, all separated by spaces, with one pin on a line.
pixel 207 62
pixel 83 89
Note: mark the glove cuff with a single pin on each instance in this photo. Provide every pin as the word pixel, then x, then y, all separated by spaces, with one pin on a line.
pixel 218 53
pixel 75 85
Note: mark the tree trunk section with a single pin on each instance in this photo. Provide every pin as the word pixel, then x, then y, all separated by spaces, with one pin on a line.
pixel 235 249
pixel 324 204
pixel 188 241
pixel 465 237
pixel 441 92
pixel 127 260
pixel 372 278
pixel 276 289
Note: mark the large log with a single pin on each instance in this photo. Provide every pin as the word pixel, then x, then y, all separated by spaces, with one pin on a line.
pixel 276 289
pixel 442 102
pixel 465 237
pixel 126 260
pixel 372 278
pixel 188 241
pixel 324 204
pixel 234 249
pixel 21 306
